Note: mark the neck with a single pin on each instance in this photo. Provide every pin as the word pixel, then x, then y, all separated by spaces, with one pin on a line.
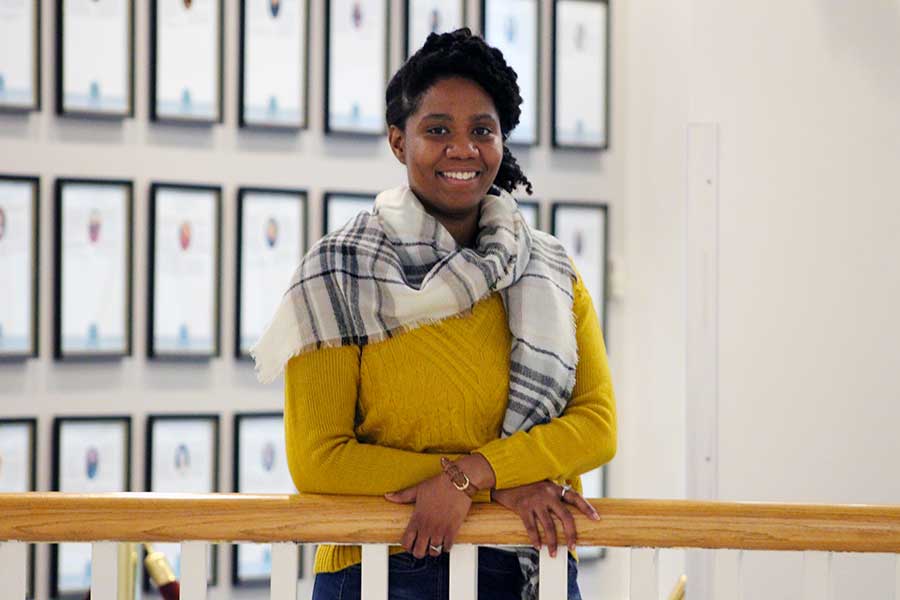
pixel 463 229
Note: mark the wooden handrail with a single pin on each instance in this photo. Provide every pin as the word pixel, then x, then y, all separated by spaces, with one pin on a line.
pixel 142 517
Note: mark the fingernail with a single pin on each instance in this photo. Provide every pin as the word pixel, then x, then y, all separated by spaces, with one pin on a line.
pixel 553 553
pixel 595 516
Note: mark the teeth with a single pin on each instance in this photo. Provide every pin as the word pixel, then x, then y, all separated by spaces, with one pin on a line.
pixel 462 175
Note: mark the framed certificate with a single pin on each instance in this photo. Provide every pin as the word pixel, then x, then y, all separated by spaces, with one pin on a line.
pixel 271 241
pixel 184 271
pixel 424 17
pixel 260 467
pixel 340 208
pixel 584 231
pixel 18 449
pixel 95 58
pixel 19 234
pixel 513 27
pixel 531 210
pixel 274 64
pixel 182 457
pixel 581 74
pixel 186 61
pixel 90 455
pixel 356 64
pixel 92 281
pixel 20 60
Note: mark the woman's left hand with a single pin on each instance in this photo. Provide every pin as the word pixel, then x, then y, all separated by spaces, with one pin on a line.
pixel 439 513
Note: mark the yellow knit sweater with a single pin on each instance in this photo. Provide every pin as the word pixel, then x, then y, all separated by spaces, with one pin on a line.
pixel 377 419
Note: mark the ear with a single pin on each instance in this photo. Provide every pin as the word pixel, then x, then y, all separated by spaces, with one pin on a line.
pixel 397 141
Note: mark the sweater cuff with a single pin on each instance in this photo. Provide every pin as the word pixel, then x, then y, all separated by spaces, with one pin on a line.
pixel 503 461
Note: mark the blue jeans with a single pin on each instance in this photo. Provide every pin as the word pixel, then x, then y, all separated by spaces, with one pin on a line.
pixel 411 578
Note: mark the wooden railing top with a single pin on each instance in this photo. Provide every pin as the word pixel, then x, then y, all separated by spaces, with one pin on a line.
pixel 144 517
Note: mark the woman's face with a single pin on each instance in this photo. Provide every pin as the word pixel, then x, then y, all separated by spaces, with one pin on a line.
pixel 452 147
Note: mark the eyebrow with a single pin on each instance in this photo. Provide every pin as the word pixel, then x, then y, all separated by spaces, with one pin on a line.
pixel 446 117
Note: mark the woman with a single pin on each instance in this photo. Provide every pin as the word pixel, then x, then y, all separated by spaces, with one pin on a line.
pixel 384 394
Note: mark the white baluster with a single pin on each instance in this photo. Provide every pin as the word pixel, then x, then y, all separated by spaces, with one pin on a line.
pixel 285 567
pixel 897 572
pixel 817 576
pixel 729 574
pixel 104 570
pixel 194 570
pixel 464 572
pixel 554 581
pixel 644 574
pixel 374 572
pixel 14 569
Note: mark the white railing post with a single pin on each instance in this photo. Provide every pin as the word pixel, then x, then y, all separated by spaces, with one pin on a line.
pixel 14 569
pixel 643 574
pixel 104 570
pixel 554 574
pixel 729 574
pixel 374 572
pixel 817 576
pixel 897 583
pixel 194 570
pixel 464 572
pixel 285 564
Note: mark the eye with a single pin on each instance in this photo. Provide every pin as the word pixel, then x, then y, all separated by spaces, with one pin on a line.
pixel 437 130
pixel 482 131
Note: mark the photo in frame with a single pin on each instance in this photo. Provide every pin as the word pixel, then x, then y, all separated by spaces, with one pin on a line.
pixel 424 17
pixel 531 211
pixel 356 66
pixel 186 61
pixel 513 27
pixel 92 280
pixel 260 467
pixel 274 64
pixel 271 240
pixel 18 452
pixel 583 230
pixel 90 455
pixel 184 286
pixel 20 68
pixel 340 208
pixel 95 58
pixel 182 457
pixel 581 74
pixel 19 260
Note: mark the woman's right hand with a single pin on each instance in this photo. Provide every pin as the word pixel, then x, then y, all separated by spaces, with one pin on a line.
pixel 538 503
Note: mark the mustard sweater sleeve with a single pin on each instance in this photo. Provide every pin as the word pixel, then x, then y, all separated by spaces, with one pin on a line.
pixel 584 436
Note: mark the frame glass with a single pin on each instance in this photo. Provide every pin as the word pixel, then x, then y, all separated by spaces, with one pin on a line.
pixel 95 58
pixel 531 210
pixel 274 64
pixel 186 61
pixel 90 455
pixel 584 231
pixel 18 452
pixel 92 281
pixel 19 260
pixel 183 294
pixel 20 72
pixel 271 240
pixel 424 17
pixel 341 207
pixel 356 66
pixel 514 27
pixel 581 74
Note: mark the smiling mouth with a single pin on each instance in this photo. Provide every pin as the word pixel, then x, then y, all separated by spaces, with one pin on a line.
pixel 459 176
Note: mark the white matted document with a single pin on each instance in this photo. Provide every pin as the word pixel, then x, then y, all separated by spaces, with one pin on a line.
pixel 425 17
pixel 357 66
pixel 274 63
pixel 188 52
pixel 340 209
pixel 581 65
pixel 582 231
pixel 96 58
pixel 16 459
pixel 18 200
pixel 19 39
pixel 531 213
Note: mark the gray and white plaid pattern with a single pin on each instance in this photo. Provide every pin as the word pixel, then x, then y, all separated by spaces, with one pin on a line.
pixel 397 269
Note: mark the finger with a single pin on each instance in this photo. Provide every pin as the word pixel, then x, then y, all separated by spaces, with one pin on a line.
pixel 409 536
pixel 549 528
pixel 568 523
pixel 406 496
pixel 420 548
pixel 449 538
pixel 531 530
pixel 435 542
pixel 577 500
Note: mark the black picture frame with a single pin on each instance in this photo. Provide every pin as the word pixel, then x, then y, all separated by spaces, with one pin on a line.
pixel 58 424
pixel 35 104
pixel 31 485
pixel 243 122
pixel 536 206
pixel 58 350
pixel 407 51
pixel 155 116
pixel 554 100
pixel 538 74
pixel 603 208
pixel 330 197
pixel 34 350
pixel 236 579
pixel 152 421
pixel 243 192
pixel 329 129
pixel 60 70
pixel 152 352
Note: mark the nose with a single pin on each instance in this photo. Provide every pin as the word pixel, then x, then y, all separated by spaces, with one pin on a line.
pixel 462 148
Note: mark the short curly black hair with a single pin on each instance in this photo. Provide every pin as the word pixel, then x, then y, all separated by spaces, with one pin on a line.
pixel 461 54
